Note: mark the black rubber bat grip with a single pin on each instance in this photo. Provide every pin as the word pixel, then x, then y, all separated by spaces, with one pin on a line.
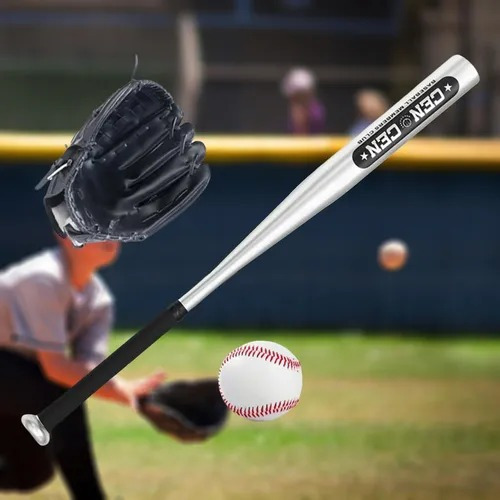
pixel 114 363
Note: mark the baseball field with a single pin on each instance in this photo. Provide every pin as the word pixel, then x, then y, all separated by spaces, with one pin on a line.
pixel 380 417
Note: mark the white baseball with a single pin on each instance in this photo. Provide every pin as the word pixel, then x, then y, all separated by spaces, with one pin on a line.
pixel 260 380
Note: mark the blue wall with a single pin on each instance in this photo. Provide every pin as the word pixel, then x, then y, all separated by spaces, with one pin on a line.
pixel 323 275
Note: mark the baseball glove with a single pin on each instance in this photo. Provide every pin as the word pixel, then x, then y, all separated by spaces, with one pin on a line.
pixel 128 171
pixel 190 411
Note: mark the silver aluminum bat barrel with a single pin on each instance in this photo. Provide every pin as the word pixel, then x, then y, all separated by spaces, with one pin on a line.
pixel 325 185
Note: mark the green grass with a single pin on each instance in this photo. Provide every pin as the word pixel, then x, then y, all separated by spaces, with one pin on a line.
pixel 379 418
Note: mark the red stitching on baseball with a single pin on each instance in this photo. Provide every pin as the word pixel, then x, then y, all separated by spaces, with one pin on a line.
pixel 262 410
pixel 257 351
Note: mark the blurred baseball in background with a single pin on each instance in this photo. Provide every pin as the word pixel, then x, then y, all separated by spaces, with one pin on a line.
pixel 392 255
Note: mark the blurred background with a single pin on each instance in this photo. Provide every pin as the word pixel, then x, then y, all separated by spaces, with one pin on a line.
pixel 236 51
pixel 402 368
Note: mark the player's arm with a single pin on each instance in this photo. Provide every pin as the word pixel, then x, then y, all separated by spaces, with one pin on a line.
pixel 66 372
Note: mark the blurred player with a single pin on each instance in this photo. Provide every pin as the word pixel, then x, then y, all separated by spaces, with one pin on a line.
pixel 55 318
pixel 370 104
pixel 306 114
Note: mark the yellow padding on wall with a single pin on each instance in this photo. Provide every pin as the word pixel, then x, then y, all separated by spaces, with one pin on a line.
pixel 419 153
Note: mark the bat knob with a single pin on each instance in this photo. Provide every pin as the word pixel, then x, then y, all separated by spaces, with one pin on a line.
pixel 35 427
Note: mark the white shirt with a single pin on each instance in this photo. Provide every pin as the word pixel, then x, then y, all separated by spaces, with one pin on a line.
pixel 40 310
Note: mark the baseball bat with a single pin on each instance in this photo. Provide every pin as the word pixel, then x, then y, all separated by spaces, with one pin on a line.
pixel 327 183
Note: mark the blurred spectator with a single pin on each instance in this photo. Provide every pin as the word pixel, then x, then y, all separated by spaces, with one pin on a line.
pixel 370 104
pixel 306 114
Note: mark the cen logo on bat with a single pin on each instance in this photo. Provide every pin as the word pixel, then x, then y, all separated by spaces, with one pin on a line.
pixel 386 135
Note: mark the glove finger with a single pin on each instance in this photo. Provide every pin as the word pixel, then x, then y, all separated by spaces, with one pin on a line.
pixel 171 175
pixel 141 105
pixel 175 198
pixel 155 159
pixel 140 141
pixel 163 209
